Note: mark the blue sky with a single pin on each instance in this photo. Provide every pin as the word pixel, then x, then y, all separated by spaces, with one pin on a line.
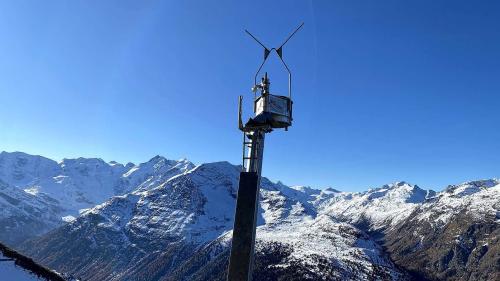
pixel 383 90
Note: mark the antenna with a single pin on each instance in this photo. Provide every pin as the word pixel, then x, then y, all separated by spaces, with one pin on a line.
pixel 271 112
pixel 279 52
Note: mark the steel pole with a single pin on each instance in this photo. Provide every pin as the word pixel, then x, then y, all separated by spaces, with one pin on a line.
pixel 247 204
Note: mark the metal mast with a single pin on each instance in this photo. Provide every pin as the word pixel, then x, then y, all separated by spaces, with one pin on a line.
pixel 271 112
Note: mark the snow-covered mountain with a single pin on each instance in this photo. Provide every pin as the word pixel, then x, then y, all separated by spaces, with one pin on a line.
pixel 24 215
pixel 37 193
pixel 171 220
pixel 154 234
pixel 453 235
pixel 378 208
pixel 479 199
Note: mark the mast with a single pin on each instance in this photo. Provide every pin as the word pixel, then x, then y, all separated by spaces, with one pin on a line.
pixel 271 112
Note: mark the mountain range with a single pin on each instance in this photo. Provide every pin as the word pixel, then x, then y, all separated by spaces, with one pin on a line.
pixel 172 220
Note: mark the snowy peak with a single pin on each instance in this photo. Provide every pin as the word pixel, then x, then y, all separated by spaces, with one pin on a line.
pixel 379 208
pixel 305 189
pixel 330 190
pixel 479 199
pixel 161 164
pixel 216 170
pixel 18 168
pixel 151 173
pixel 471 187
pixel 398 191
pixel 92 166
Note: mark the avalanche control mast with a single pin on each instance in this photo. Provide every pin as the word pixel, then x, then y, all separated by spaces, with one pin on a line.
pixel 271 112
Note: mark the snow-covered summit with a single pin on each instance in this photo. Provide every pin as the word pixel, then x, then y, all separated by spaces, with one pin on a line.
pixel 20 169
pixel 377 208
pixel 145 175
pixel 69 186
pixel 471 187
pixel 479 199
pixel 83 182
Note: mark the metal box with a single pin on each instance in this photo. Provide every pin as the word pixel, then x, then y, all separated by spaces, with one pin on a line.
pixel 278 110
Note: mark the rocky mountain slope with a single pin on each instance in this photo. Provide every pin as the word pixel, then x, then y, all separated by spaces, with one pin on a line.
pixel 170 220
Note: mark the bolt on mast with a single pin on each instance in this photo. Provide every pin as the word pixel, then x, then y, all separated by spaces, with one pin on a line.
pixel 271 112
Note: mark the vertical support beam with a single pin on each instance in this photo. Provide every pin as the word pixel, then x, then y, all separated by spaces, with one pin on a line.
pixel 245 221
pixel 242 247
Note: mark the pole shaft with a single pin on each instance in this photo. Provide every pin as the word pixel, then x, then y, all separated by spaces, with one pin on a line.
pixel 245 222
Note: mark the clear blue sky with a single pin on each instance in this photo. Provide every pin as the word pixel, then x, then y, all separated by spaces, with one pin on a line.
pixel 384 90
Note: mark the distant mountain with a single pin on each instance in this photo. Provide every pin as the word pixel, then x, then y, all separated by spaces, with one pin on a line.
pixel 39 194
pixel 171 220
pixel 377 209
pixel 454 235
